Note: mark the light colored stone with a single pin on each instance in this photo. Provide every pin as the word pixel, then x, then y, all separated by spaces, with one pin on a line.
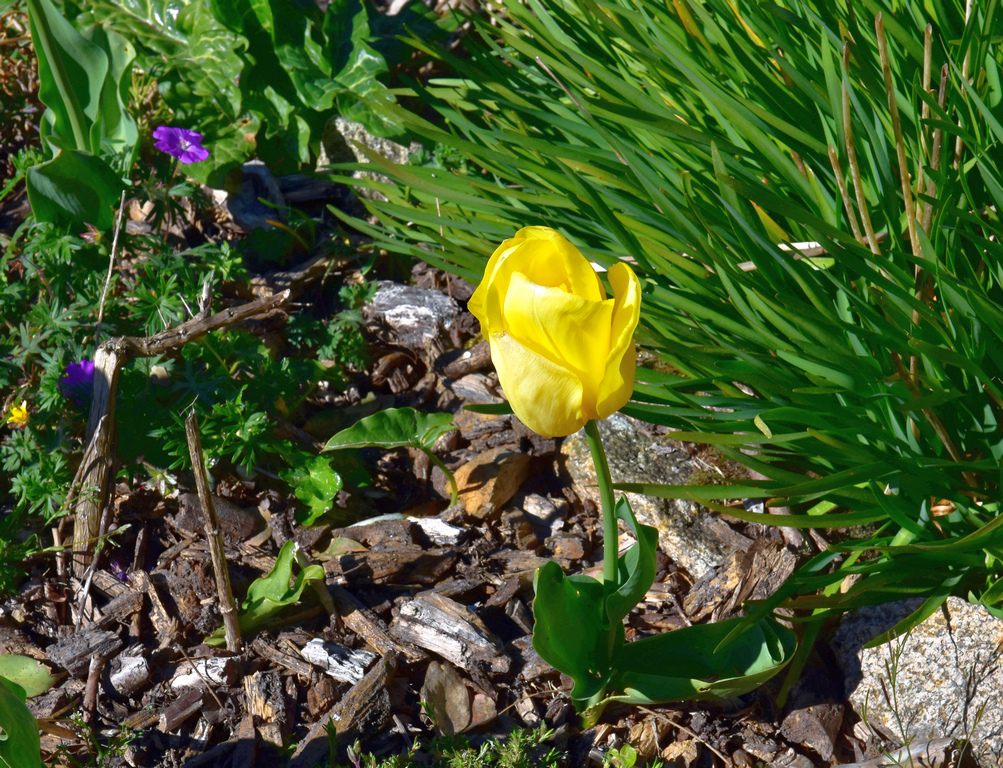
pixel 688 533
pixel 448 698
pixel 338 145
pixel 440 532
pixel 943 677
pixel 490 480
pixel 412 317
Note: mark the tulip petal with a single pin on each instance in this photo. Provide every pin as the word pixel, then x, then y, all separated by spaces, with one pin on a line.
pixel 546 397
pixel 488 310
pixel 546 258
pixel 572 271
pixel 566 329
pixel 621 363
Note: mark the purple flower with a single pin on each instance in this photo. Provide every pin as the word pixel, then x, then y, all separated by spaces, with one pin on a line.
pixel 77 382
pixel 183 144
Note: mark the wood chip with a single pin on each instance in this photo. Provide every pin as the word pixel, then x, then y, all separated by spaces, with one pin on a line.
pixel 451 630
pixel 274 655
pixel 121 608
pixel 266 702
pixel 183 707
pixel 345 664
pixel 74 653
pixel 129 674
pixel 109 585
pixel 411 565
pixel 165 626
pixel 370 627
pixel 364 710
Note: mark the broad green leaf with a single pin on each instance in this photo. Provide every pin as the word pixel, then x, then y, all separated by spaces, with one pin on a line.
pixel 315 484
pixel 20 745
pixel 149 24
pixel 570 632
pixel 683 664
pixel 33 676
pixel 116 130
pixel 73 189
pixel 393 428
pixel 71 74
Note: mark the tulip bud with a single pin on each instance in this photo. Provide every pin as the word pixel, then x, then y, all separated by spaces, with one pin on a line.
pixel 563 351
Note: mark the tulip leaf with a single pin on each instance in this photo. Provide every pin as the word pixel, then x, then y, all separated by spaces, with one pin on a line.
pixel 32 675
pixel 394 428
pixel 571 633
pixel 71 73
pixel 636 567
pixel 58 194
pixel 20 744
pixel 684 664
pixel 271 593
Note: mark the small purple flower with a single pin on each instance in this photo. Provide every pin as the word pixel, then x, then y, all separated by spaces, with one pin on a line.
pixel 77 382
pixel 181 143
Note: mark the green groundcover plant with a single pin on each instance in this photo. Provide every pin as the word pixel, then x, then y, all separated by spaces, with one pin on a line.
pixel 810 194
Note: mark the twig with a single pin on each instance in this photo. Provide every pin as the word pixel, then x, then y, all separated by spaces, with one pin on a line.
pixel 90 702
pixel 938 141
pixel 845 195
pixel 966 69
pixel 893 109
pixel 95 469
pixel 924 110
pixel 86 588
pixel 851 156
pixel 111 267
pixel 214 537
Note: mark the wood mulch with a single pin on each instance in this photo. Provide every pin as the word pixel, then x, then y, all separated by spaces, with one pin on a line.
pixel 423 603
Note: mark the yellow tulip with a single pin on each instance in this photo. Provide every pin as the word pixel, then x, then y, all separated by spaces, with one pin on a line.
pixel 563 351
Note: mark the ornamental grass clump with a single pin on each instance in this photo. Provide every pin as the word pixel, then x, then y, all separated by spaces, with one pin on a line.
pixel 810 194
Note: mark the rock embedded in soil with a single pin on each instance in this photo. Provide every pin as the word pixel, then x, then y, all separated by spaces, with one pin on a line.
pixel 490 480
pixel 942 679
pixel 688 533
pixel 444 691
pixel 416 319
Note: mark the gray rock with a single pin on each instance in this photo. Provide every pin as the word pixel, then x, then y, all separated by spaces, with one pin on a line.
pixel 688 533
pixel 338 146
pixel 943 678
pixel 415 318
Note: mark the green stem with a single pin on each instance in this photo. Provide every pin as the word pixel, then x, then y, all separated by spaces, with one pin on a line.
pixel 605 482
pixel 449 476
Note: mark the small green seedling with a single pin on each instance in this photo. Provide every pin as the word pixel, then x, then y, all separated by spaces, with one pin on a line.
pixel 271 593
